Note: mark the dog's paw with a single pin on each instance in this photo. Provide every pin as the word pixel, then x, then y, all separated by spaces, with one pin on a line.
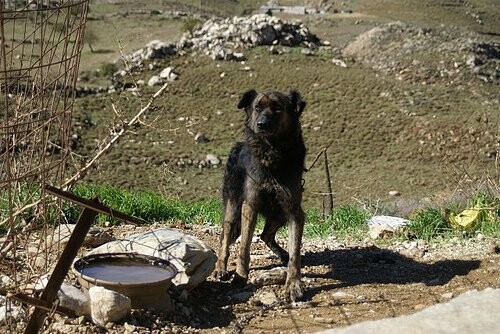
pixel 238 281
pixel 294 290
pixel 222 275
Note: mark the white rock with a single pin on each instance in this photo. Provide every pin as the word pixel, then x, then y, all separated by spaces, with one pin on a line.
pixel 268 298
pixel 69 296
pixel 165 73
pixel 274 276
pixel 10 312
pixel 193 259
pixel 380 226
pixel 108 306
pixel 154 81
pixel 394 193
pixel 339 62
pixel 212 159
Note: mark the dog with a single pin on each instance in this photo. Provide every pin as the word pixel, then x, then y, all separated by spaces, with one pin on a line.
pixel 263 176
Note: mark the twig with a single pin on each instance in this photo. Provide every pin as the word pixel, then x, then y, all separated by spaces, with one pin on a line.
pixel 317 157
pixel 329 207
pixel 82 172
pixel 79 174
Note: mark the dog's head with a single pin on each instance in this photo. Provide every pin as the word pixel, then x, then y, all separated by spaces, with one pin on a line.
pixel 272 113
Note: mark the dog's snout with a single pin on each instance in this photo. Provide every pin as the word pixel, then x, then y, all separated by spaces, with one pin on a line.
pixel 262 124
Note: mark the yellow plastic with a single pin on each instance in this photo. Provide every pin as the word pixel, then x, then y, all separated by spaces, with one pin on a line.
pixel 467 218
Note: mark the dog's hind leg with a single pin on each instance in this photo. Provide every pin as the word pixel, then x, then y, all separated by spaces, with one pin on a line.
pixel 248 222
pixel 231 230
pixel 269 237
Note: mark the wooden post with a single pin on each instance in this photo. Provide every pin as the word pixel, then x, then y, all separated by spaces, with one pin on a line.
pixel 329 203
pixel 49 294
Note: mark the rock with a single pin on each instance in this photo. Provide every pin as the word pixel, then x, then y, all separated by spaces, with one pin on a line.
pixel 168 74
pixel 193 259
pixel 201 138
pixel 108 306
pixel 341 295
pixel 97 236
pixel 268 298
pixel 155 80
pixel 10 312
pixel 394 193
pixel 275 276
pixel 68 295
pixel 471 312
pixel 307 52
pixel 386 48
pixel 6 281
pixel 218 37
pixel 238 56
pixel 383 226
pixel 212 159
pixel 339 62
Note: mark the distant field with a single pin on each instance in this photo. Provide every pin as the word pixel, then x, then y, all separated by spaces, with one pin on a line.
pixel 376 146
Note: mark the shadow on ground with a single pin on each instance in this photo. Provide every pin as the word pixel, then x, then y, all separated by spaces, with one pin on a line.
pixel 369 265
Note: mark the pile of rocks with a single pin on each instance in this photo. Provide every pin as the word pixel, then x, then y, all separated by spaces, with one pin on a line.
pixel 427 55
pixel 153 50
pixel 220 37
pixel 243 32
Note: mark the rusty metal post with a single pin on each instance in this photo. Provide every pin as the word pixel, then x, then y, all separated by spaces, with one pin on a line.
pixel 49 294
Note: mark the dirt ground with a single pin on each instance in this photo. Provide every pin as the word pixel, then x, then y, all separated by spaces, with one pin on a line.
pixel 347 282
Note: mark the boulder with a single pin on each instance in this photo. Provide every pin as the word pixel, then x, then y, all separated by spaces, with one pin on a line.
pixel 107 305
pixel 193 259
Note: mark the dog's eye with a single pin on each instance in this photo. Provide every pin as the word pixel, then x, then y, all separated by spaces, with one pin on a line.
pixel 258 109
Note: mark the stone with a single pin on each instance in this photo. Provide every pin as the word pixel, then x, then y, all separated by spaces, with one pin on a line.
pixel 155 80
pixel 383 226
pixel 471 312
pixel 97 236
pixel 11 313
pixel 339 62
pixel 168 74
pixel 275 276
pixel 69 296
pixel 200 138
pixel 268 298
pixel 108 306
pixel 394 193
pixel 193 259
pixel 212 159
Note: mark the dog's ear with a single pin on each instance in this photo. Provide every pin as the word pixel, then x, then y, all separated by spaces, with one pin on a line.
pixel 247 99
pixel 298 104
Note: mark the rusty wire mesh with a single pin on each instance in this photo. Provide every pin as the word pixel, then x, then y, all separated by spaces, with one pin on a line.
pixel 40 47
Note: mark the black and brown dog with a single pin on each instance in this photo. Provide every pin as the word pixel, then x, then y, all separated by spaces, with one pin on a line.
pixel 264 176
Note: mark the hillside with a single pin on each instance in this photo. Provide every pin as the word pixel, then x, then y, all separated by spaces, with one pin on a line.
pixel 415 110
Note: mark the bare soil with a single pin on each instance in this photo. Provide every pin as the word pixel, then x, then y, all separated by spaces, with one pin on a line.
pixel 346 282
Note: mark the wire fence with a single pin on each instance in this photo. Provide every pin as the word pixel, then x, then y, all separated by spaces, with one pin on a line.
pixel 40 47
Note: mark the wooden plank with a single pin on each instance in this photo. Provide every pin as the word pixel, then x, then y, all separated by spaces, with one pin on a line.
pixel 96 206
pixel 49 294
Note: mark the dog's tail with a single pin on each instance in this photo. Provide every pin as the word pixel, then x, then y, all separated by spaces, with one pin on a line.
pixel 234 224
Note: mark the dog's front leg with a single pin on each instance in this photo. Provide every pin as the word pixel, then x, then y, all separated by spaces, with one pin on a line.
pixel 228 237
pixel 248 222
pixel 293 286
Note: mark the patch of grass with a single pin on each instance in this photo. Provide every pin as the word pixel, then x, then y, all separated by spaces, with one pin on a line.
pixel 346 220
pixel 428 224
pixel 145 205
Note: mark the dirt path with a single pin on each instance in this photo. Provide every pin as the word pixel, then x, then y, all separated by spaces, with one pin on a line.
pixel 347 284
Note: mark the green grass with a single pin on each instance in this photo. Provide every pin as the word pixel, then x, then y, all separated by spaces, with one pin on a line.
pixel 146 205
pixel 345 221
